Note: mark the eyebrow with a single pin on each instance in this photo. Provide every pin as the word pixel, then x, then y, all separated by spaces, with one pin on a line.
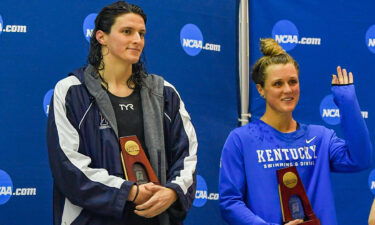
pixel 280 79
pixel 127 27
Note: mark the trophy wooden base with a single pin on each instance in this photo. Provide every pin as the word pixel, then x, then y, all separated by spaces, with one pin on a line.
pixel 293 198
pixel 135 163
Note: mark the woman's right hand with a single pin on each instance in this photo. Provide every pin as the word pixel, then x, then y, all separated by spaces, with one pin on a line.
pixel 293 222
pixel 342 77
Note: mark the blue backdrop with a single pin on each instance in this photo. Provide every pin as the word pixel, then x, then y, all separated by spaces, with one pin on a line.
pixel 41 41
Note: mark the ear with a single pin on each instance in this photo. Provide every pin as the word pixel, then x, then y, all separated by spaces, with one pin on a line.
pixel 101 37
pixel 260 90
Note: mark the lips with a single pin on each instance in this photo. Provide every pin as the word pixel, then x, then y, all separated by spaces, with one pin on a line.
pixel 134 49
pixel 288 99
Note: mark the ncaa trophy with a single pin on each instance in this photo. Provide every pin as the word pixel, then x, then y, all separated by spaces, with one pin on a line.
pixel 293 198
pixel 137 167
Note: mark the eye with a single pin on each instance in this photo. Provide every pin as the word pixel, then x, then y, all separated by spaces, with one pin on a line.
pixel 142 34
pixel 278 84
pixel 293 82
pixel 127 31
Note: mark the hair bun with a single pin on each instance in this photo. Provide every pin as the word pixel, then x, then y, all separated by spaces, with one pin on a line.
pixel 270 47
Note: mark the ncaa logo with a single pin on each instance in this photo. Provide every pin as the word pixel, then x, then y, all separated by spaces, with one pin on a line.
pixel 370 38
pixel 191 39
pixel 329 111
pixel 286 34
pixel 371 181
pixel 6 186
pixel 89 25
pixel 201 193
pixel 47 101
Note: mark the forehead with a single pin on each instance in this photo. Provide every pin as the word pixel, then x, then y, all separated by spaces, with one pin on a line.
pixel 281 71
pixel 129 20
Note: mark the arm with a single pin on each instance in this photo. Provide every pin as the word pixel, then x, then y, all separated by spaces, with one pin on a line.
pixel 181 175
pixel 181 147
pixel 355 152
pixel 90 188
pixel 232 186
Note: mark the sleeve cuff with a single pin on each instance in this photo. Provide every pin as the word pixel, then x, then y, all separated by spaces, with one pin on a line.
pixel 177 211
pixel 121 199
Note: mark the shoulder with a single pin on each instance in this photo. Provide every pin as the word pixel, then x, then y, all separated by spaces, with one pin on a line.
pixel 153 79
pixel 63 86
pixel 160 86
pixel 241 138
pixel 247 131
pixel 252 127
pixel 171 95
pixel 313 130
pixel 154 83
pixel 169 89
pixel 72 89
pixel 173 103
pixel 316 128
pixel 74 78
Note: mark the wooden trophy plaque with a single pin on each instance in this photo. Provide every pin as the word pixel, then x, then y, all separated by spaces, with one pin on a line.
pixel 293 198
pixel 136 166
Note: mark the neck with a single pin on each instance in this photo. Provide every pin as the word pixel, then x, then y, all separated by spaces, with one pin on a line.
pixel 282 122
pixel 116 74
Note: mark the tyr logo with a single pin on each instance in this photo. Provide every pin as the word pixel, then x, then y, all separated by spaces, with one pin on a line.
pixel 126 107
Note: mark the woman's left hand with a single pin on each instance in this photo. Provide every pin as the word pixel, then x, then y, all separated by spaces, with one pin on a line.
pixel 161 200
pixel 342 77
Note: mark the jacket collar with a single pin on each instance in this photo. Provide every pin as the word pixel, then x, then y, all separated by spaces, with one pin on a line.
pixel 93 84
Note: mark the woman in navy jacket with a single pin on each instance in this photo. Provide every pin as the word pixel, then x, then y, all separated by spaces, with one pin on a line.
pixel 112 97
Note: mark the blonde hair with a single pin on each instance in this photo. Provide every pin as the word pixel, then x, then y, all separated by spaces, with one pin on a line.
pixel 273 54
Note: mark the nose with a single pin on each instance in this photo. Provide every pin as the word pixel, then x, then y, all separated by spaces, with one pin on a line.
pixel 137 37
pixel 287 88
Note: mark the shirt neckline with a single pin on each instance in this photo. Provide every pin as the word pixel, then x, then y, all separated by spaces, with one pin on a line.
pixel 286 136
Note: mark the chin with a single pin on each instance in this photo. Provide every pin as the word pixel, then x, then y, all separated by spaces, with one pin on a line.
pixel 131 58
pixel 132 61
pixel 289 109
